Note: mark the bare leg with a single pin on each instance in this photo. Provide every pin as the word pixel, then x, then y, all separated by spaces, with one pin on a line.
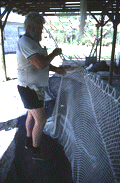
pixel 40 120
pixel 29 124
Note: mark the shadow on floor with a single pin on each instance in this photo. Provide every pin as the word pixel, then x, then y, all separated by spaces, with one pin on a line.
pixel 25 170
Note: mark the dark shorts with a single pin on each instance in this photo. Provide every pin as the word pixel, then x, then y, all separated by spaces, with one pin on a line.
pixel 30 98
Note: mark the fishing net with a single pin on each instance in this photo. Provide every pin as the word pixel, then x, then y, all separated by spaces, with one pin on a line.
pixel 86 121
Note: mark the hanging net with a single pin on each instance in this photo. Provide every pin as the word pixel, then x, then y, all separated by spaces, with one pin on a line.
pixel 86 121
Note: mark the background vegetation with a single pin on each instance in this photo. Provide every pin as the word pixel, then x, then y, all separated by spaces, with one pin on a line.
pixel 64 32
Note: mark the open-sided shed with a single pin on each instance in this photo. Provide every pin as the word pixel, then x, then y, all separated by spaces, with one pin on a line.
pixel 111 8
pixel 87 113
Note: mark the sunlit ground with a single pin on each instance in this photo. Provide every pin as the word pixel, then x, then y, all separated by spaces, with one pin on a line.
pixel 11 107
pixel 6 137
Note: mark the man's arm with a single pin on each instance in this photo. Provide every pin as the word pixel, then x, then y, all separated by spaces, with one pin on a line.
pixel 59 70
pixel 52 68
pixel 40 61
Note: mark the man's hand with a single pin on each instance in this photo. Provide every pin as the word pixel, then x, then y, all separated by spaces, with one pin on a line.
pixel 57 51
pixel 61 70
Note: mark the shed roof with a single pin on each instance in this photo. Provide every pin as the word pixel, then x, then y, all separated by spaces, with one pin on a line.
pixel 50 7
pixel 111 8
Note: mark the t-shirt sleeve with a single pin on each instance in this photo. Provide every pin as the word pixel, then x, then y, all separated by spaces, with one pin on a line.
pixel 28 47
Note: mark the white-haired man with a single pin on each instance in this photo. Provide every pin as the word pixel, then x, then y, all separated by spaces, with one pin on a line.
pixel 33 74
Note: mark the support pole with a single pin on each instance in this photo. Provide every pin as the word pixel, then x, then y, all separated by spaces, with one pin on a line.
pixel 2 55
pixel 97 29
pixel 100 43
pixel 113 53
pixel 102 21
pixel 2 52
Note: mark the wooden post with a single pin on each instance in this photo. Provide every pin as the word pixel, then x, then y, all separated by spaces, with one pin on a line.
pixel 97 38
pixel 113 52
pixel 100 43
pixel 102 20
pixel 2 54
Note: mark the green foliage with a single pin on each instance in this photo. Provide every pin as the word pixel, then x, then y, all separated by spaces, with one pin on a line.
pixel 89 31
pixel 57 24
pixel 86 41
pixel 71 35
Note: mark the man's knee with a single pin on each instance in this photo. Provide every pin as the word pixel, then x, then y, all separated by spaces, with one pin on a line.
pixel 39 115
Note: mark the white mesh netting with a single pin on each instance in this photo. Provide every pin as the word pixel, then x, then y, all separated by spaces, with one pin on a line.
pixel 86 121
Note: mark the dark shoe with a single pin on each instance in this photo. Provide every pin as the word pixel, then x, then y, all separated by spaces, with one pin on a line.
pixel 28 144
pixel 39 156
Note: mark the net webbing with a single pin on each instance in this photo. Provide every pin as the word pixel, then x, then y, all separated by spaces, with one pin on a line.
pixel 86 121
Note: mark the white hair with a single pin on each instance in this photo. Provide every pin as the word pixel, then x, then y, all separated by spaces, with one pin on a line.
pixel 33 18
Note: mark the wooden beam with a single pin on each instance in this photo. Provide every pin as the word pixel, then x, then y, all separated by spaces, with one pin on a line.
pixel 97 35
pixel 2 52
pixel 4 23
pixel 105 9
pixel 113 53
pixel 95 18
pixel 2 55
pixel 2 14
pixel 115 24
pixel 102 24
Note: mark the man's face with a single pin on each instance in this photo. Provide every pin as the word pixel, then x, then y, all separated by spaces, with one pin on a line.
pixel 36 32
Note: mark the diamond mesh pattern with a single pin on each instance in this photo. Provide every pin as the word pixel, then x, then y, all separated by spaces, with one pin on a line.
pixel 86 121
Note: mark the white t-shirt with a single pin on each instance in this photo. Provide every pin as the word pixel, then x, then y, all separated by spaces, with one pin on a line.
pixel 28 74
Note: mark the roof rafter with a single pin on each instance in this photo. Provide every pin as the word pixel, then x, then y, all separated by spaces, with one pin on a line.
pixel 44 6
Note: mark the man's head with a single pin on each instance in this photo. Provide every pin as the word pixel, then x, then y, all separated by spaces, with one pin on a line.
pixel 34 24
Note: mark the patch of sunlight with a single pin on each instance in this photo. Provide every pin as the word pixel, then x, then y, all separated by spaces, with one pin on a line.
pixel 11 105
pixel 6 137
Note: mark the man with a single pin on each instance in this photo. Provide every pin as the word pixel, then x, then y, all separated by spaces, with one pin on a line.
pixel 33 73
